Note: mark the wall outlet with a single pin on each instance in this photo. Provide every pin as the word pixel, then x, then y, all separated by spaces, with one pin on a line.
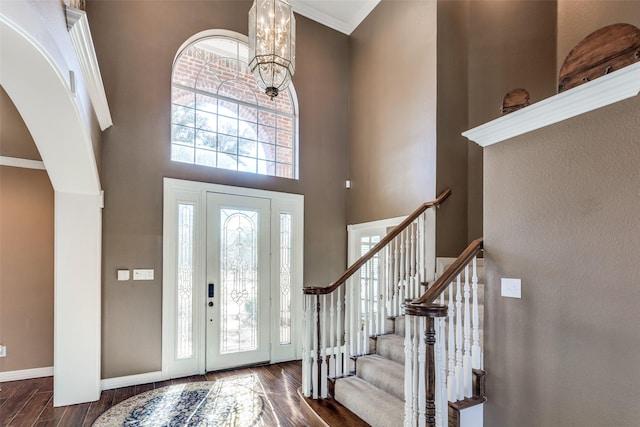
pixel 140 274
pixel 511 288
pixel 3 351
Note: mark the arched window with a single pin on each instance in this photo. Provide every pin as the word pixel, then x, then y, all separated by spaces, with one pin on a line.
pixel 219 116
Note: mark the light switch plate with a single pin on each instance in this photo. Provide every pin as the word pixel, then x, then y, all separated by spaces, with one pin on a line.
pixel 143 274
pixel 123 275
pixel 511 288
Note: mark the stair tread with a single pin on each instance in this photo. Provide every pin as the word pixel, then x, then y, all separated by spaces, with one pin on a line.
pixel 391 346
pixel 383 373
pixel 373 405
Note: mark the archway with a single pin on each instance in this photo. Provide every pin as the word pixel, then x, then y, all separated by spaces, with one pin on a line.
pixel 34 73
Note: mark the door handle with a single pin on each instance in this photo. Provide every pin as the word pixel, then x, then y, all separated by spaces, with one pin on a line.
pixel 211 290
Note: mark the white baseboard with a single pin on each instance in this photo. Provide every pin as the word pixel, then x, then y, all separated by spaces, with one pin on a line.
pixel 117 382
pixel 25 374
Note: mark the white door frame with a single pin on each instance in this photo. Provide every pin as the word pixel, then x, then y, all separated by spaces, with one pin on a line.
pixel 355 231
pixel 195 194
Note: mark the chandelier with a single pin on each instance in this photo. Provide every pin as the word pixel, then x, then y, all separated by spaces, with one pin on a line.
pixel 272 45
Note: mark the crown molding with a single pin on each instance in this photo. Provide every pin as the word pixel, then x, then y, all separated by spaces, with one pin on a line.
pixel 606 90
pixel 344 26
pixel 78 27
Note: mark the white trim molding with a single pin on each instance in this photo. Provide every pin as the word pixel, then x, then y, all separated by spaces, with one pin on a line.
pixel 129 380
pixel 78 27
pixel 26 374
pixel 345 21
pixel 606 90
pixel 21 163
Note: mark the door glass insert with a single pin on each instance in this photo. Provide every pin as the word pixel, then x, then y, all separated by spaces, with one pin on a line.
pixel 184 348
pixel 285 278
pixel 239 275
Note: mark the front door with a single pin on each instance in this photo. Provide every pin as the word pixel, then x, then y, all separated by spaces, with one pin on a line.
pixel 238 280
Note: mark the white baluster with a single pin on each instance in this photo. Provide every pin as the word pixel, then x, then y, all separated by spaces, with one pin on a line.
pixel 323 346
pixel 459 369
pixel 306 348
pixel 332 336
pixel 355 316
pixel 396 284
pixel 476 350
pixel 347 333
pixel 442 416
pixel 422 385
pixel 372 321
pixel 466 360
pixel 339 333
pixel 388 282
pixel 402 284
pixel 380 313
pixel 408 373
pixel 314 354
pixel 421 255
pixel 418 366
pixel 412 263
pixel 451 379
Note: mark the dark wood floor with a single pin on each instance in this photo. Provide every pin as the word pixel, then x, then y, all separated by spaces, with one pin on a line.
pixel 30 402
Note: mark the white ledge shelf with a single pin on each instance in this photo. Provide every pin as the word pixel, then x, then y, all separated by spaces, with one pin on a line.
pixel 606 90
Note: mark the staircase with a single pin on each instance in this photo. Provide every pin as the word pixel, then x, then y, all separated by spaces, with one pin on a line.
pixel 391 349
pixel 380 376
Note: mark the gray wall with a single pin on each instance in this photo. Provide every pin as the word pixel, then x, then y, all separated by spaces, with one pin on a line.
pixel 561 213
pixel 452 119
pixel 26 249
pixel 15 139
pixel 511 45
pixel 392 148
pixel 560 209
pixel 136 42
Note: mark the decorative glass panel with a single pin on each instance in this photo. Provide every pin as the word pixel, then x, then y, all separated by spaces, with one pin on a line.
pixel 239 274
pixel 285 278
pixel 217 106
pixel 184 335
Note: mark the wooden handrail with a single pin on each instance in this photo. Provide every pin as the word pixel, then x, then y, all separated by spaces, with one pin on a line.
pixel 450 273
pixel 313 290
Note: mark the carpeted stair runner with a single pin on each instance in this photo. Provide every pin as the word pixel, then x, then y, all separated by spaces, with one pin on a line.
pixel 376 392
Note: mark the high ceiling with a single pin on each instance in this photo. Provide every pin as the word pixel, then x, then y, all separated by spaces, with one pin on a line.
pixel 341 15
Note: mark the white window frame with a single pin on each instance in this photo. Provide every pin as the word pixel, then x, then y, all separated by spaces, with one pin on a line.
pixel 291 89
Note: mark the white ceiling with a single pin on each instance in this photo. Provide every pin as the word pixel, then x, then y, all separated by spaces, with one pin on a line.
pixel 341 15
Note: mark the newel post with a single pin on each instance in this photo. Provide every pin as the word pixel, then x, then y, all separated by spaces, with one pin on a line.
pixel 423 370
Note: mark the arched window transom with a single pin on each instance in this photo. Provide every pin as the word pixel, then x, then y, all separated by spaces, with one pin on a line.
pixel 221 119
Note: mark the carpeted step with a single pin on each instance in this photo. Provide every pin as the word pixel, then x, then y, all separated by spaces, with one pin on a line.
pixel 391 346
pixel 374 406
pixel 383 373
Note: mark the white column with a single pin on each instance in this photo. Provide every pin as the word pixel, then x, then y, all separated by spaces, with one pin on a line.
pixel 77 316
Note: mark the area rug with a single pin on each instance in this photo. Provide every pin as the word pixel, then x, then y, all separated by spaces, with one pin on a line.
pixel 229 402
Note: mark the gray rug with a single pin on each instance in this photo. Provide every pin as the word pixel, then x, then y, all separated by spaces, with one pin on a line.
pixel 233 401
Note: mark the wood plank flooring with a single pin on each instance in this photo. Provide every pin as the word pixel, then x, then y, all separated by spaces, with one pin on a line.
pixel 30 402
